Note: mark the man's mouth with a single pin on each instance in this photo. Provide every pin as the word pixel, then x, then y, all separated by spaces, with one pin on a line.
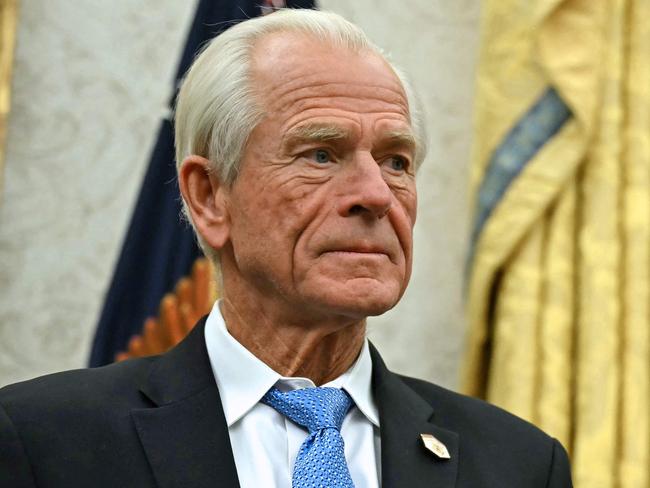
pixel 359 251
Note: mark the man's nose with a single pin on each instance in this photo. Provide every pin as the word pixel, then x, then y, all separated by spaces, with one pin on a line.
pixel 365 191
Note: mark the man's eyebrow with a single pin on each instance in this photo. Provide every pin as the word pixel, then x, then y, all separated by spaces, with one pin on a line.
pixel 400 138
pixel 316 133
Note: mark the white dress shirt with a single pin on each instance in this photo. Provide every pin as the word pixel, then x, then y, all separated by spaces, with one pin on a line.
pixel 264 442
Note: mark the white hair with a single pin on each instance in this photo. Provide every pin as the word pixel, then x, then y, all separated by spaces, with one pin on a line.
pixel 217 106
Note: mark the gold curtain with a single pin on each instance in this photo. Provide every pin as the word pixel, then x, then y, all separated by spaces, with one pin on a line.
pixel 559 273
pixel 8 20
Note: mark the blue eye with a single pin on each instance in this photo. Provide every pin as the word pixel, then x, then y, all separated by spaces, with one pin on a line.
pixel 398 163
pixel 321 156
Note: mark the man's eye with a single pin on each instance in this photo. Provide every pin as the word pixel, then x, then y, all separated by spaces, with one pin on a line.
pixel 398 163
pixel 321 156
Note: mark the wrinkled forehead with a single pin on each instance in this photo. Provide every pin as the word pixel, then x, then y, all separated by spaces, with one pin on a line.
pixel 286 61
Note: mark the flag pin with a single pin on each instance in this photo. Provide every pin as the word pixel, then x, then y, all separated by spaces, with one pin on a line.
pixel 435 446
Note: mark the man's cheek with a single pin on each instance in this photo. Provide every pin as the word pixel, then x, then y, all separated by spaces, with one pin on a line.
pixel 402 224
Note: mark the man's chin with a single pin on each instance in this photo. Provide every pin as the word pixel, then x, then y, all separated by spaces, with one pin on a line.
pixel 369 309
pixel 360 301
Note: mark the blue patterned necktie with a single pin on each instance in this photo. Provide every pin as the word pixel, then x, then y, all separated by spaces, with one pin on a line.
pixel 321 458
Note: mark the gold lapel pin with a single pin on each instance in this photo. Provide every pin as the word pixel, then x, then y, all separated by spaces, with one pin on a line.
pixel 435 446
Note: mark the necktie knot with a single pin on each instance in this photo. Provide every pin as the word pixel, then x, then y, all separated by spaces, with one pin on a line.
pixel 313 408
pixel 321 459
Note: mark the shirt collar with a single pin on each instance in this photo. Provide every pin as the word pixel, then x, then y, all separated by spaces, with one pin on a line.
pixel 357 381
pixel 243 379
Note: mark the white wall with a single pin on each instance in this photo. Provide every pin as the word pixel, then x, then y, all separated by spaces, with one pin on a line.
pixel 90 83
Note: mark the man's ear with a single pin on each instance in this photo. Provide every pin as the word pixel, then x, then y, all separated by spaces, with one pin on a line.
pixel 205 196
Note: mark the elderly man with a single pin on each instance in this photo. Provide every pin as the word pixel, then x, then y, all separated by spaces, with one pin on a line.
pixel 297 147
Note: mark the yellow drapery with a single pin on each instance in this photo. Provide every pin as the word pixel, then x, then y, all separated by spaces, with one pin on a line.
pixel 8 20
pixel 559 279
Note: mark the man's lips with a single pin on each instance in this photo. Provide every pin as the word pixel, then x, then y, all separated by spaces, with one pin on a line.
pixel 359 249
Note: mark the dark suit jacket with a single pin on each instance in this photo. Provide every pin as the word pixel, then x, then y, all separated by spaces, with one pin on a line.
pixel 159 422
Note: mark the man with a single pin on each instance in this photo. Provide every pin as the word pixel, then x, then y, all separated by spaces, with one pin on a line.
pixel 297 145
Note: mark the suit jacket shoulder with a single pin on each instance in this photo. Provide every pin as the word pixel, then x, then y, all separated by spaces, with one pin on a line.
pixel 56 429
pixel 478 418
pixel 147 422
pixel 488 446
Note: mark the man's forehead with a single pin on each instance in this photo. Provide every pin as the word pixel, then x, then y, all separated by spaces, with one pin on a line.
pixel 293 73
pixel 280 54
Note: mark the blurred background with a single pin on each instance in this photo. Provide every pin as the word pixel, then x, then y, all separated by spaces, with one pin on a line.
pixel 531 283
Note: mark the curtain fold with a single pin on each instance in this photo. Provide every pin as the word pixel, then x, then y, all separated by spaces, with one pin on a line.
pixel 559 270
pixel 8 27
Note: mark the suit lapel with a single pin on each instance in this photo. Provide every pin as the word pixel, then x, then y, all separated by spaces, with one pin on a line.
pixel 184 435
pixel 403 416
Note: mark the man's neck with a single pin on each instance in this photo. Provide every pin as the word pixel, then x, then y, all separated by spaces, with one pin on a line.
pixel 318 351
